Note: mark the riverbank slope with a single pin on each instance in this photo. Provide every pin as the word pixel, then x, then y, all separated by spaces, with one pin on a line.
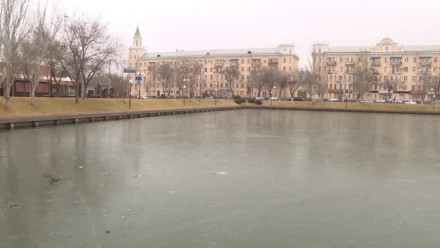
pixel 20 106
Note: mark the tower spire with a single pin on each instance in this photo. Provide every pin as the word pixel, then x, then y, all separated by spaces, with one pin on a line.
pixel 137 34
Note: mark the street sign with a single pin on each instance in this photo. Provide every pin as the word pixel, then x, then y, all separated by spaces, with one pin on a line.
pixel 129 70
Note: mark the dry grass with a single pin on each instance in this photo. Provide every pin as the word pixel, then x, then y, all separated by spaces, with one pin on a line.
pixel 350 105
pixel 20 106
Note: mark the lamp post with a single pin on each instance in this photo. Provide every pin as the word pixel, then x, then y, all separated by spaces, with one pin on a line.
pixel 346 100
pixel 184 87
pixel 129 94
pixel 271 94
pixel 433 102
pixel 215 97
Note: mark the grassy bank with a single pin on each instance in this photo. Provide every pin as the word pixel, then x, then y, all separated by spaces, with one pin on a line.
pixel 20 106
pixel 352 105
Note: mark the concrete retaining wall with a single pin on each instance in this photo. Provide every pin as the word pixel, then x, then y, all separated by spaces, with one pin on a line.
pixel 38 120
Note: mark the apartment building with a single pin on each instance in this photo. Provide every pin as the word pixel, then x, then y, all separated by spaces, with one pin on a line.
pixel 209 77
pixel 407 67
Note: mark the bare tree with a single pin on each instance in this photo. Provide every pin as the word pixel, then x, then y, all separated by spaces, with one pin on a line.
pixel 267 78
pixel 89 48
pixel 293 83
pixel 436 86
pixel 364 76
pixel 181 77
pixel 315 78
pixel 15 25
pixel 166 75
pixel 390 85
pixel 231 73
pixel 281 82
pixel 426 82
pixel 37 49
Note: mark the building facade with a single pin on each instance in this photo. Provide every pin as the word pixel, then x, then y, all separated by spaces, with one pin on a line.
pixel 400 72
pixel 209 71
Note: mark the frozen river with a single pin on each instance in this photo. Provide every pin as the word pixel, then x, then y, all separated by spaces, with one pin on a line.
pixel 245 179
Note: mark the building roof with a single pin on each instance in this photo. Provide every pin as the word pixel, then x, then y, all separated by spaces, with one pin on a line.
pixel 138 33
pixel 220 53
pixel 353 49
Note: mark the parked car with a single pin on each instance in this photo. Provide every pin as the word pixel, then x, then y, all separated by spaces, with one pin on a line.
pixel 297 99
pixel 410 102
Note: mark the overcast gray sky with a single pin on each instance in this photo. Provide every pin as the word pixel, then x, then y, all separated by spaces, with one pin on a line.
pixel 167 25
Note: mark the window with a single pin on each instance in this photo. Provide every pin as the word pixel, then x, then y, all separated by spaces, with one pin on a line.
pixel 206 77
pixel 405 78
pixel 211 77
pixel 210 85
pixel 236 85
pixel 413 69
pixel 206 69
pixel 218 77
pixel 414 60
pixel 284 68
pixel 248 78
pixel 406 59
pixel 330 86
pixel 290 68
pixel 413 78
pixel 242 77
pixel 436 69
pixel 341 59
pixel 226 85
pixel 387 49
pixel 242 85
pixel 284 60
pixel 413 87
pixel 211 69
pixel 386 59
pixel 242 61
pixel 435 59
pixel 242 68
pixel 249 61
pixel 340 78
pixel 385 69
pixel 340 69
pixel 264 61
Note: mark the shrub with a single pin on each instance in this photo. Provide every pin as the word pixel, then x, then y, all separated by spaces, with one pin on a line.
pixel 239 100
pixel 251 100
pixel 258 102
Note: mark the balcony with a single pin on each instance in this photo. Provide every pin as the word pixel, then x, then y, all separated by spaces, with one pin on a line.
pixel 426 73
pixel 425 63
pixel 396 63
pixel 375 63
pixel 273 63
pixel 349 64
pixel 375 72
pixel 256 63
pixel 331 63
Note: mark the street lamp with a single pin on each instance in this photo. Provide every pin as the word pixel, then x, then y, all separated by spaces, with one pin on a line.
pixel 129 96
pixel 433 102
pixel 184 87
pixel 215 97
pixel 346 100
pixel 274 88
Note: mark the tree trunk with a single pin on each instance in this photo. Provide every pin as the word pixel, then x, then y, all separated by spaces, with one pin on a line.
pixel 84 90
pixel 7 95
pixel 77 92
pixel 33 96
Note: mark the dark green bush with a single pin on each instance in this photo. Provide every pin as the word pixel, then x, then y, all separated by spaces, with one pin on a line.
pixel 258 102
pixel 251 100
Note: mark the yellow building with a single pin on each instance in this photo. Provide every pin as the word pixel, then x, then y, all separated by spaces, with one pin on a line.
pixel 400 71
pixel 207 70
